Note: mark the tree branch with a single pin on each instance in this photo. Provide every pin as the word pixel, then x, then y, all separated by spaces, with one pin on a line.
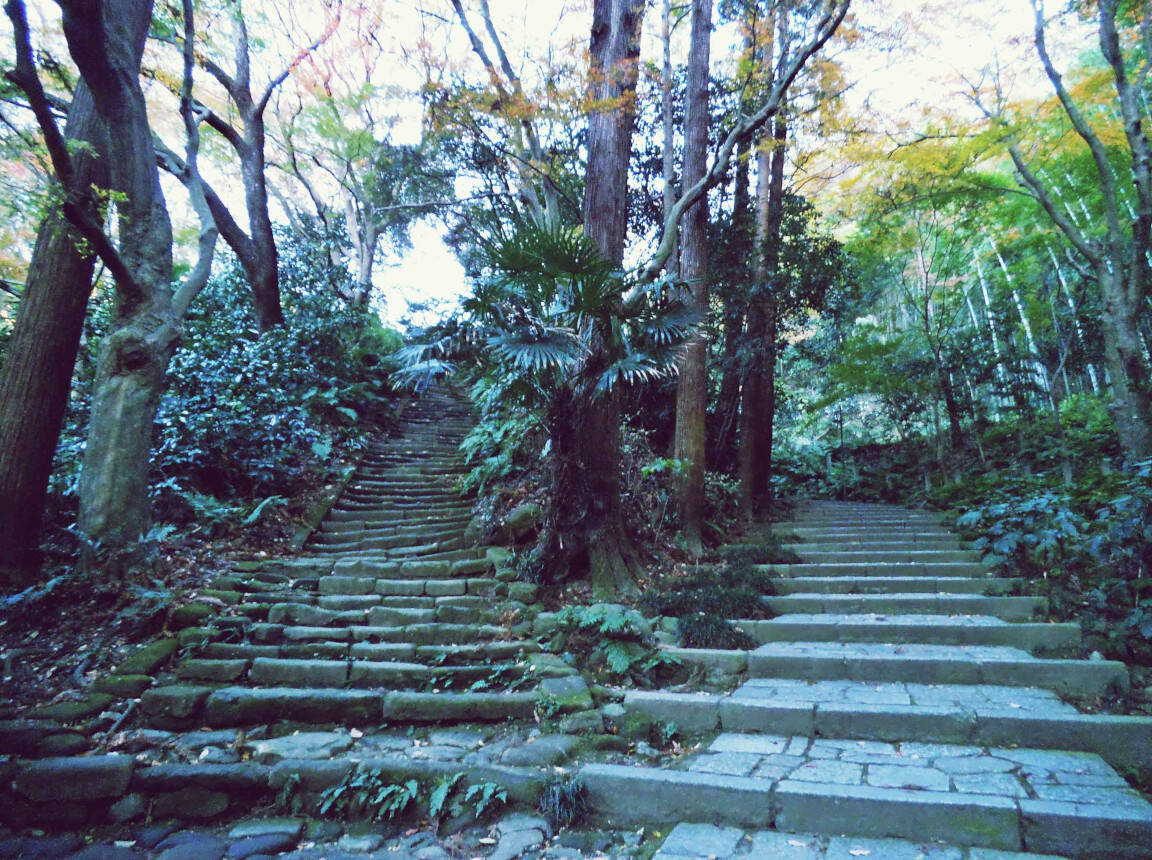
pixel 209 233
pixel 744 128
pixel 1080 124
pixel 77 201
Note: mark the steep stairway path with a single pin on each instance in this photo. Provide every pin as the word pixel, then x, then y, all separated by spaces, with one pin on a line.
pixel 901 691
pixel 292 672
pixel 391 614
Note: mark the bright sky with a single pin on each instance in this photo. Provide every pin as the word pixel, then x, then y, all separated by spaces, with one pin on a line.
pixel 921 52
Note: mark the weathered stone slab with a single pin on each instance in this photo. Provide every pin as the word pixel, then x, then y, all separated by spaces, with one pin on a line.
pixel 298 673
pixel 692 712
pixel 991 822
pixel 77 778
pixel 457 707
pixel 663 796
pixel 237 706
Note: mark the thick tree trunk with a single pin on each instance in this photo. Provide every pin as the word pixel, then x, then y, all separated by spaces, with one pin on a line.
pixel 1128 372
pixel 722 451
pixel 37 373
pixel 586 524
pixel 692 388
pixel 758 404
pixel 263 272
pixel 114 502
pixel 115 506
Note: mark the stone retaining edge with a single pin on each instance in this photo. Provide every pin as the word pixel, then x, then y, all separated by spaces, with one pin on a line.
pixel 1125 742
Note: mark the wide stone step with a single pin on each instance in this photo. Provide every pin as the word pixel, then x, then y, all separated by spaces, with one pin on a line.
pixel 878 568
pixel 395 513
pixel 335 672
pixel 1042 801
pixel 228 707
pixel 448 549
pixel 893 585
pixel 967 569
pixel 985 715
pixel 936 664
pixel 934 629
pixel 691 840
pixel 388 526
pixel 820 534
pixel 871 556
pixel 470 652
pixel 886 544
pixel 1007 608
pixel 389 539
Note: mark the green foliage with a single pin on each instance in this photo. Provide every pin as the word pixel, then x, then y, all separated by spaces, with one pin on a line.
pixel 246 418
pixel 1088 550
pixel 705 600
pixel 615 642
pixel 564 803
pixel 365 793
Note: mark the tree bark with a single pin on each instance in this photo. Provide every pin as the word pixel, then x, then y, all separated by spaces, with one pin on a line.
pixel 37 373
pixel 586 534
pixel 758 403
pixel 690 445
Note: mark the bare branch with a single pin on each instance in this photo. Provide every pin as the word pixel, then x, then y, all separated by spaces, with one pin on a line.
pixel 1081 125
pixel 744 128
pixel 209 232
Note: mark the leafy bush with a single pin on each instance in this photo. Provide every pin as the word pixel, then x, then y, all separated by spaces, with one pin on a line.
pixel 247 418
pixel 1088 550
pixel 616 643
pixel 704 600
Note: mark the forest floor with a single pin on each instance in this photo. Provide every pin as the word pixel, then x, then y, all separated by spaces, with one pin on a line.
pixel 59 636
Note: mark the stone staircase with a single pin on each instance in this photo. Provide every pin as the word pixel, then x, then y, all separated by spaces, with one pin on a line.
pixel 389 615
pixel 901 692
pixel 380 646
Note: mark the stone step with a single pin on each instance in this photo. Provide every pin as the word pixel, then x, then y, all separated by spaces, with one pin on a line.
pixel 415 586
pixel 880 662
pixel 227 707
pixel 1042 801
pixel 815 534
pixel 942 541
pixel 388 539
pixel 985 715
pixel 893 585
pixel 403 651
pixel 395 513
pixel 689 840
pixel 863 568
pixel 1007 608
pixel 460 564
pixel 449 549
pixel 387 526
pixel 341 672
pixel 934 629
pixel 873 556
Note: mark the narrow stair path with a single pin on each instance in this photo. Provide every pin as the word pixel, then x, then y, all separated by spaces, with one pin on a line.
pixel 898 693
pixel 390 615
pixel 380 649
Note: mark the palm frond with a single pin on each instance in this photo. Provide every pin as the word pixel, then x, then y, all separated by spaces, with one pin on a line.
pixel 539 349
pixel 674 325
pixel 630 369
pixel 419 375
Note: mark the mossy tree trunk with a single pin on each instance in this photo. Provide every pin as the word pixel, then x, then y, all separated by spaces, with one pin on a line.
pixel 585 535
pixel 37 373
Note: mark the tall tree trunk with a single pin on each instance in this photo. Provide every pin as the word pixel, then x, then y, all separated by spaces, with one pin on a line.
pixel 586 532
pixel 758 404
pixel 37 372
pixel 1131 402
pixel 692 387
